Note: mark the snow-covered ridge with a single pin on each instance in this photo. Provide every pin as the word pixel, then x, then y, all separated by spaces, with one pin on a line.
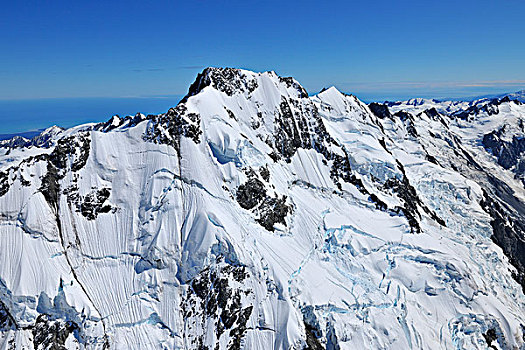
pixel 253 216
pixel 418 105
pixel 40 140
pixel 518 95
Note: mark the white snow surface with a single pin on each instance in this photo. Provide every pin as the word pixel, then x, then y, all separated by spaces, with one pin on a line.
pixel 418 105
pixel 357 274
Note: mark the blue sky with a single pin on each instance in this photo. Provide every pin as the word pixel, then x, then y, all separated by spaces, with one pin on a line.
pixel 374 49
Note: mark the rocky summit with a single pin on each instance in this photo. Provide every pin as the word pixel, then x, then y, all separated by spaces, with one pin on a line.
pixel 253 215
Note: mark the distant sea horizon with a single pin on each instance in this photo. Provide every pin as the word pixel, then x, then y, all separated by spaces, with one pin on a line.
pixel 28 117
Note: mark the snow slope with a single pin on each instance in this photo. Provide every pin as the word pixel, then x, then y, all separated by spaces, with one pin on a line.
pixel 253 216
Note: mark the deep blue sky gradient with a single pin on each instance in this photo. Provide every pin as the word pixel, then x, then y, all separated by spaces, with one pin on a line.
pixel 374 49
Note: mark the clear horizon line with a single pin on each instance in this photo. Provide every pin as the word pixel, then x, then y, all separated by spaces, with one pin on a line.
pixel 91 97
pixel 441 84
pixel 369 88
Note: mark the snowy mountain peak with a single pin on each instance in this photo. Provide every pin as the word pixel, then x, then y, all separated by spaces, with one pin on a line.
pixel 227 80
pixel 333 92
pixel 252 216
pixel 330 90
pixel 47 134
pixel 44 139
pixel 233 81
pixel 52 130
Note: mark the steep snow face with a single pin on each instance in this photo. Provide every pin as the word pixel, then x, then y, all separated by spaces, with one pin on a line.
pixel 253 216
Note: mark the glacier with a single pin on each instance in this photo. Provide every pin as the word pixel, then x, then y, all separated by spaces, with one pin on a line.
pixel 255 216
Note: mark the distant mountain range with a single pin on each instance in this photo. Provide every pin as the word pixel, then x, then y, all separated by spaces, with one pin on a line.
pixel 25 134
pixel 518 95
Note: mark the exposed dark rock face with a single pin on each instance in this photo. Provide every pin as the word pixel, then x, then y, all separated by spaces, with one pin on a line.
pixel 4 182
pixel 299 126
pixel 257 121
pixel 410 199
pixel 51 334
pixel 380 110
pixel 295 130
pixel 291 83
pixel 508 153
pixel 273 210
pixel 168 128
pixel 50 186
pixel 490 336
pixel 265 173
pixel 227 80
pixel 215 299
pixel 407 193
pixel 312 329
pixel 7 321
pixel 302 127
pixel 69 152
pixel 378 202
pixel 290 133
pixel 509 234
pixel 315 333
pixel 92 204
pixel 432 113
pixel 251 193
pixel 312 343
pixel 230 114
pixel 431 159
pixel 48 333
pixel 269 210
pixel 341 170
pixel 408 119
pixel 51 328
pixel 331 338
pixel 74 150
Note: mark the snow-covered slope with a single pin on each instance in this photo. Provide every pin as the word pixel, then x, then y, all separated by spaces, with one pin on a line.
pixel 253 216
